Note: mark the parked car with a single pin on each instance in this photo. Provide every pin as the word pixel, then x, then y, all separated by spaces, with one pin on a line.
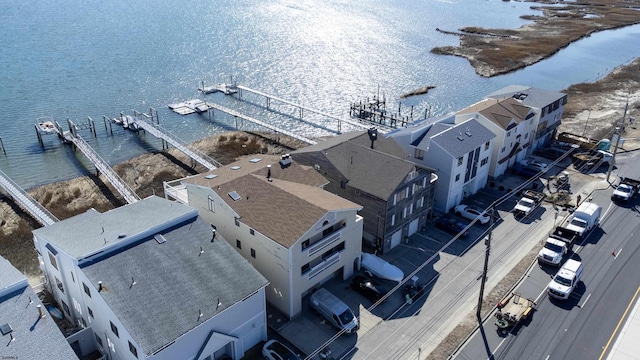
pixel 451 225
pixel 552 153
pixel 367 287
pixel 471 213
pixel 534 165
pixel 275 350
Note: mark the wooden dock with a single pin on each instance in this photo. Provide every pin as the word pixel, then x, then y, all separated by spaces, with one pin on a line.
pixel 190 107
pixel 224 88
pixel 26 202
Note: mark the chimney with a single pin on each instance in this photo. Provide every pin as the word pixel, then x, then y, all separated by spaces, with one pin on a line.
pixel 100 286
pixel 40 313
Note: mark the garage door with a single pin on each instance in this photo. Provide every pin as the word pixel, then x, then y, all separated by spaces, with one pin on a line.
pixel 395 238
pixel 413 226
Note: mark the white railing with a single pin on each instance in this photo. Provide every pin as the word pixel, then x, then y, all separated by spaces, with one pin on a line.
pixel 324 265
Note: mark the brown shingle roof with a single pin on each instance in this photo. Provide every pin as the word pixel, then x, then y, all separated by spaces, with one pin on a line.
pixel 501 112
pixel 282 209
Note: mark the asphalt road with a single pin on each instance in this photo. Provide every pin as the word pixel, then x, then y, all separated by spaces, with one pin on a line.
pixel 584 326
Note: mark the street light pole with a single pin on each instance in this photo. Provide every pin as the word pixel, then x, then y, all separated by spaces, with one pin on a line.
pixel 618 133
pixel 487 242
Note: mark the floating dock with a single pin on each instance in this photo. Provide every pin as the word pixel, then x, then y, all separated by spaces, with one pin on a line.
pixel 190 107
pixel 223 88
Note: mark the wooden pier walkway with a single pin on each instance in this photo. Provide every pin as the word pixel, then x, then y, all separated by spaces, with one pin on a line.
pixel 26 202
pixel 102 166
pixel 145 123
pixel 262 123
pixel 302 109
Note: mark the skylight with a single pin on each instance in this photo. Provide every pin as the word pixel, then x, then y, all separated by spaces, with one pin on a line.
pixel 235 196
pixel 255 160
pixel 211 176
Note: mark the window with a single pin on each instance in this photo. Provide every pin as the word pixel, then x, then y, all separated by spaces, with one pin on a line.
pixel 52 260
pixel 60 286
pixel 238 244
pixel 237 221
pixel 86 289
pixel 65 307
pixel 305 269
pixel 421 202
pixel 395 199
pixel 419 154
pixel 98 339
pixel 484 161
pixel 73 278
pixel 404 213
pixel 411 208
pixel 457 177
pixel 252 232
pixel 133 350
pixel 253 253
pixel 90 311
pixel 486 145
pixel 114 329
pixel 212 204
pixel 393 219
pixel 112 346
pixel 343 184
pixel 526 135
pixel 460 160
pixel 407 192
pixel 357 191
pixel 82 322
pixel 503 149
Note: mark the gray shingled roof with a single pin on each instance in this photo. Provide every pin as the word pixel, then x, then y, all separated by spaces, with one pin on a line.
pixel 35 339
pixel 174 282
pixel 378 171
pixel 463 138
pixel 85 234
pixel 536 98
pixel 361 138
pixel 282 209
pixel 436 129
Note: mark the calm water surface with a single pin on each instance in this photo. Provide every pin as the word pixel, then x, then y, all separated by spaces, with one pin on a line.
pixel 75 59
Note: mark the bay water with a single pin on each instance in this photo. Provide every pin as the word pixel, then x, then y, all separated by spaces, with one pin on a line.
pixel 88 58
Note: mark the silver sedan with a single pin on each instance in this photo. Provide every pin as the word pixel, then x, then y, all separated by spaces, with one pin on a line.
pixel 471 213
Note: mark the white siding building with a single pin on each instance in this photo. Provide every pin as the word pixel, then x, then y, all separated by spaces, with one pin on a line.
pixel 547 106
pixel 151 282
pixel 513 124
pixel 460 153
pixel 275 213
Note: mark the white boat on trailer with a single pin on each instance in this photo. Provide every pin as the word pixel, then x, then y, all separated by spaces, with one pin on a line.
pixel 381 268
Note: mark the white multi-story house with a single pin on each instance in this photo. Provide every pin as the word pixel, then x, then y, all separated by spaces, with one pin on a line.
pixel 461 154
pixel 276 214
pixel 513 124
pixel 152 282
pixel 27 330
pixel 547 107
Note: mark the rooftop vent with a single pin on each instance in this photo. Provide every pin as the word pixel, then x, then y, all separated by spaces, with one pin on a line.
pixel 255 160
pixel 235 167
pixel 211 176
pixel 122 236
pixel 160 239
pixel 468 133
pixel 269 172
pixel 235 196
pixel 460 138
pixel 285 160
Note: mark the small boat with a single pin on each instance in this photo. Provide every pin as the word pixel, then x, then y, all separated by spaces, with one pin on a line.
pixel 55 312
pixel 45 125
pixel 381 268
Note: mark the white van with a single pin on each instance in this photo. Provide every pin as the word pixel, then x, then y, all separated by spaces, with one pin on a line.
pixel 565 280
pixel 334 310
pixel 585 218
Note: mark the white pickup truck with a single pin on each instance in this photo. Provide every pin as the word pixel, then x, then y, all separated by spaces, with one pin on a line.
pixel 565 280
pixel 627 189
pixel 558 244
pixel 529 201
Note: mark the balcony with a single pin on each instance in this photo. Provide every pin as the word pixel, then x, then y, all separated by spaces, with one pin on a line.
pixel 324 243
pixel 324 265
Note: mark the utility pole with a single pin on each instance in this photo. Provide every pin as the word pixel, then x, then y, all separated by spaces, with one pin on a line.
pixel 619 134
pixel 487 242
